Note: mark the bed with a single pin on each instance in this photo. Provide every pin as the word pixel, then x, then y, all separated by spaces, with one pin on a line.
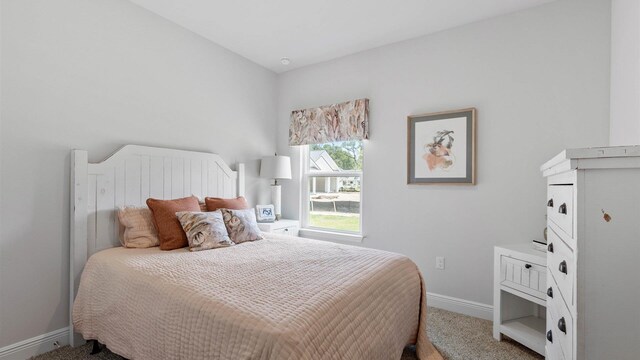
pixel 278 298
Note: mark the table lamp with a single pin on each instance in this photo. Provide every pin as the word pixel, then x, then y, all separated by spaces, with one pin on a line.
pixel 277 168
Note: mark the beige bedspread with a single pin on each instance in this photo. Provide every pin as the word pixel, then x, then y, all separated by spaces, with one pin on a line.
pixel 278 298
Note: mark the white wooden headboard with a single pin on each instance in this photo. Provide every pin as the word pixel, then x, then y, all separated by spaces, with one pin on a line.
pixel 128 177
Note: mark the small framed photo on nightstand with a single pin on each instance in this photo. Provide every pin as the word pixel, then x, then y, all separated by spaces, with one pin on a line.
pixel 265 213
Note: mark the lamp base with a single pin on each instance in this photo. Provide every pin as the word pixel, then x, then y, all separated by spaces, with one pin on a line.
pixel 276 196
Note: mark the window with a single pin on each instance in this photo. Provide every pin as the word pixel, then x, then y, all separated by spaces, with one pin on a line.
pixel 332 186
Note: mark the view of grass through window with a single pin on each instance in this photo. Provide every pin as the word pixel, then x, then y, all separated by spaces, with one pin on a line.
pixel 335 175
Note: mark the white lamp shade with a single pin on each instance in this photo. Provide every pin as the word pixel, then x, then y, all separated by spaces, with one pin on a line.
pixel 275 167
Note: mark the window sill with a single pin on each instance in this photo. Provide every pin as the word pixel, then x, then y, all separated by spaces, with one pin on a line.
pixel 331 235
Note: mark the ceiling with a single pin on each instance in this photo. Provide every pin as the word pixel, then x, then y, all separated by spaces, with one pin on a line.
pixel 312 31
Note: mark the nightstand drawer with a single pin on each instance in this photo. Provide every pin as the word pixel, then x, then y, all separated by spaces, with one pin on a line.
pixel 523 276
pixel 283 226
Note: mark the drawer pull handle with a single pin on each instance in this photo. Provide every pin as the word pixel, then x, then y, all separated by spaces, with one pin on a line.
pixel 563 209
pixel 550 247
pixel 550 203
pixel 563 267
pixel 562 325
pixel 527 266
pixel 550 292
pixel 286 229
pixel 550 336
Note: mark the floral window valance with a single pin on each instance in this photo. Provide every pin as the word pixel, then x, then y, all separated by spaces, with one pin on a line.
pixel 338 122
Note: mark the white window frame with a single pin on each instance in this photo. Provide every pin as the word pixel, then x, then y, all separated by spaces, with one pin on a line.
pixel 324 233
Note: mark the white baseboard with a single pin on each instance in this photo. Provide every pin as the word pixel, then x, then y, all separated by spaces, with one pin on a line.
pixel 465 307
pixel 35 346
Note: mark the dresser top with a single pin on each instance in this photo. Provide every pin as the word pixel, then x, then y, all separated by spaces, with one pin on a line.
pixel 594 153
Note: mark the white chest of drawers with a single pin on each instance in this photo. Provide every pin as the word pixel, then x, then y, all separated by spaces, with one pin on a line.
pixel 593 220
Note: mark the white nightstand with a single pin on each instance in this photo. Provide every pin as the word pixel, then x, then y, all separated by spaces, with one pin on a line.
pixel 519 295
pixel 282 226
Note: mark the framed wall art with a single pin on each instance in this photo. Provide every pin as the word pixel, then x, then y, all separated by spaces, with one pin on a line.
pixel 441 148
pixel 265 213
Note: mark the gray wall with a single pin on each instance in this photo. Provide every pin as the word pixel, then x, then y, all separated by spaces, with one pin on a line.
pixel 97 75
pixel 540 81
pixel 625 72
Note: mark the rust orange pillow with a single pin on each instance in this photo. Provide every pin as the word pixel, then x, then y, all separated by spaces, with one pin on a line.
pixel 238 203
pixel 169 229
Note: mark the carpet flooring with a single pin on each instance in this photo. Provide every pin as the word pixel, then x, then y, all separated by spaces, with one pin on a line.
pixel 456 336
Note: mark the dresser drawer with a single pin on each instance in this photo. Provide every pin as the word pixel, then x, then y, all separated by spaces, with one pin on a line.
pixel 560 322
pixel 552 347
pixel 562 265
pixel 560 207
pixel 553 353
pixel 523 276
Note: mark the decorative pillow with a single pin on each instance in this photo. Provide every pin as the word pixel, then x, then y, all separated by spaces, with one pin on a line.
pixel 205 230
pixel 202 204
pixel 241 225
pixel 164 212
pixel 238 203
pixel 136 227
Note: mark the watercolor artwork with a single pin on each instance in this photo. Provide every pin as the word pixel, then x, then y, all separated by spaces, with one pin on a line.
pixel 441 148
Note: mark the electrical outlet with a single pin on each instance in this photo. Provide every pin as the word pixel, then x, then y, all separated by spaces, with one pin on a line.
pixel 440 262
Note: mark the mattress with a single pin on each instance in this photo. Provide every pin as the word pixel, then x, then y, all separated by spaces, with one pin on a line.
pixel 279 298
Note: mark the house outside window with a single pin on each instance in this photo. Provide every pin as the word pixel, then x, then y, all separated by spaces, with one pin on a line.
pixel 332 186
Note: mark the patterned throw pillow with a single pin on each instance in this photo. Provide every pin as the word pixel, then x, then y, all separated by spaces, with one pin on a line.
pixel 242 225
pixel 205 230
pixel 136 227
